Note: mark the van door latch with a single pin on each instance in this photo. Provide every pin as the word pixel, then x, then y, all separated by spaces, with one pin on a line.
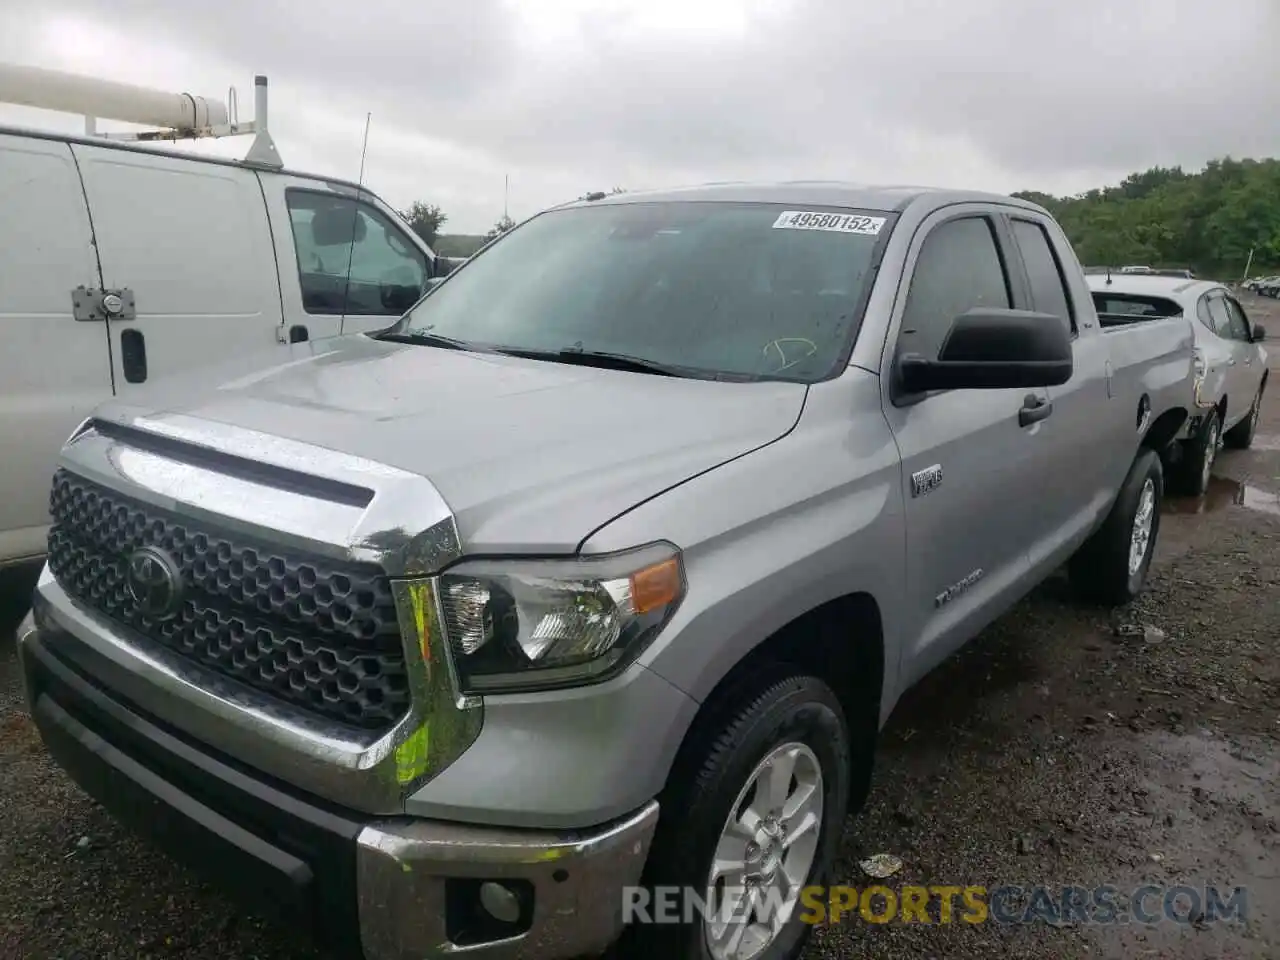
pixel 92 305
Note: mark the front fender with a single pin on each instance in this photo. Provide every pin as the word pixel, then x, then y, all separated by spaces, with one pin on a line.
pixel 768 537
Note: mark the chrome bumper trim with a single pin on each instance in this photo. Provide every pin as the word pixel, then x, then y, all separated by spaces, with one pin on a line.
pixel 401 869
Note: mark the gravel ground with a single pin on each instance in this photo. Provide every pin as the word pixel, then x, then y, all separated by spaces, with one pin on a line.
pixel 1052 751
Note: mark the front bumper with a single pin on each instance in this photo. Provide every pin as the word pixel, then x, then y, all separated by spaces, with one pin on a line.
pixel 390 889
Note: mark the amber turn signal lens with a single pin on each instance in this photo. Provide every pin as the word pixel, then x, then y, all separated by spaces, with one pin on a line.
pixel 657 586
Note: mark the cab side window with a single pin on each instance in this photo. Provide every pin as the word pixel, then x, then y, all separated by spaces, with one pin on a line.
pixel 1044 271
pixel 352 260
pixel 959 268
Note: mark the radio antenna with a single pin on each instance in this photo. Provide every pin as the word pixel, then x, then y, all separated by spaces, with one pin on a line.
pixel 355 217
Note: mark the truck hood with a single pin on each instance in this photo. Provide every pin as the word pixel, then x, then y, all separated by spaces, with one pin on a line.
pixel 531 456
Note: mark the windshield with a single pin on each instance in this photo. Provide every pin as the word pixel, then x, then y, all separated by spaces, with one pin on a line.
pixel 748 290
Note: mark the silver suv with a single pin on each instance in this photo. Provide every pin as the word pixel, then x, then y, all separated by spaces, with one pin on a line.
pixel 1230 363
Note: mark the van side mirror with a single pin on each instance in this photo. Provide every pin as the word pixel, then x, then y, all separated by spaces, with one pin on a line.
pixel 1259 333
pixel 337 226
pixel 992 349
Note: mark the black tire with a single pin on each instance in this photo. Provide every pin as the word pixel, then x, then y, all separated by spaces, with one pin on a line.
pixel 1240 437
pixel 1100 569
pixel 1194 467
pixel 715 766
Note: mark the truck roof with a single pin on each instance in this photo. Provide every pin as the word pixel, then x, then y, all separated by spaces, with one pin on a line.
pixel 831 193
pixel 150 149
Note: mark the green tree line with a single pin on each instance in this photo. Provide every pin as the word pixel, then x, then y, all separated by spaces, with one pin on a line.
pixel 1207 222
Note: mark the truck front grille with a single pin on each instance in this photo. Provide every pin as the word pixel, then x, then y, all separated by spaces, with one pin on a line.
pixel 307 630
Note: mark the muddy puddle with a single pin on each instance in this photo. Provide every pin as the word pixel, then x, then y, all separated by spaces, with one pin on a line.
pixel 1224 493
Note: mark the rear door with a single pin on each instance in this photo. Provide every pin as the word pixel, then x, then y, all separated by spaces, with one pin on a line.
pixel 1076 452
pixel 53 368
pixel 347 264
pixel 969 466
pixel 191 243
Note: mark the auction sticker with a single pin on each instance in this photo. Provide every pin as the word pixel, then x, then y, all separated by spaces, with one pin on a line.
pixel 832 222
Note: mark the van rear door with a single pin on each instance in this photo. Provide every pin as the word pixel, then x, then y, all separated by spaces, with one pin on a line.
pixel 53 369
pixel 187 246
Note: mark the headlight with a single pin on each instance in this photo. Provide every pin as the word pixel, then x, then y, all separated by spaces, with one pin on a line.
pixel 521 624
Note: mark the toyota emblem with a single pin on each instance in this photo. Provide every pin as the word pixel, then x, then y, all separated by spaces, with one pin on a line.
pixel 155 583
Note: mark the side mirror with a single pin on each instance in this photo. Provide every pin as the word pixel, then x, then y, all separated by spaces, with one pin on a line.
pixel 1259 333
pixel 399 297
pixel 337 226
pixel 990 349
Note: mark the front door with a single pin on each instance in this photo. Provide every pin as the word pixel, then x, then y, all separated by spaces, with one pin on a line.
pixel 1237 377
pixel 966 458
pixel 53 369
pixel 190 241
pixel 1248 360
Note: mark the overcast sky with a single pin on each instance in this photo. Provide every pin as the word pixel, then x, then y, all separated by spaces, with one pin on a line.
pixel 567 96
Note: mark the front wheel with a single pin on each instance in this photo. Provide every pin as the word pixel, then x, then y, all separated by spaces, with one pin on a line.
pixel 753 818
pixel 1111 567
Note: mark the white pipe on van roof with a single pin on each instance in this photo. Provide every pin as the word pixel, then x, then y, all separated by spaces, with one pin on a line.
pixel 108 100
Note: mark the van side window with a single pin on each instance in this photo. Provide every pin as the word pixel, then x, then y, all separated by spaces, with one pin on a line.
pixel 959 268
pixel 1048 288
pixel 334 236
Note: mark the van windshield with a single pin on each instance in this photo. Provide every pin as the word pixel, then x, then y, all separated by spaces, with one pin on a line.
pixel 712 289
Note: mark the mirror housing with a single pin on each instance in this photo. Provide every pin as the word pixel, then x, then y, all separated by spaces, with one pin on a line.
pixel 1259 333
pixel 399 297
pixel 337 226
pixel 994 349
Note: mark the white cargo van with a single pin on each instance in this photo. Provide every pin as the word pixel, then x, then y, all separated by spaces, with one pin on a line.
pixel 120 264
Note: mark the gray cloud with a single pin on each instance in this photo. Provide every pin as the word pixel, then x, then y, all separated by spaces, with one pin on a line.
pixel 1002 94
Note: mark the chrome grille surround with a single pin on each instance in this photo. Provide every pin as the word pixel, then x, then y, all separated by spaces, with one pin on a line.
pixel 304 501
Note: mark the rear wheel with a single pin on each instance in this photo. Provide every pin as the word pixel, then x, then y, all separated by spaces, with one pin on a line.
pixel 1110 568
pixel 1192 473
pixel 1240 437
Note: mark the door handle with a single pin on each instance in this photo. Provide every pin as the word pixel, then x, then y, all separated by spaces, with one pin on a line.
pixel 133 355
pixel 298 333
pixel 1034 409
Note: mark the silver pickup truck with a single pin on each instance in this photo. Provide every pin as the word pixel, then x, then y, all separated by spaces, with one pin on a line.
pixel 599 572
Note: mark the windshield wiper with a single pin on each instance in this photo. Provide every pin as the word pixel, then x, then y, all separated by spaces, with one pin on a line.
pixel 427 339
pixel 603 359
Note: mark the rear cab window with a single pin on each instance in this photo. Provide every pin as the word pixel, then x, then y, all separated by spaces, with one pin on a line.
pixel 1116 308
